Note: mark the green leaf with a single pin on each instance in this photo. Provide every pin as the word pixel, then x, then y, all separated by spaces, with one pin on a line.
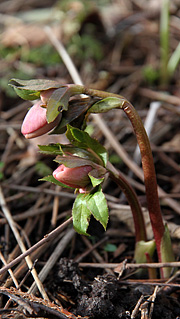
pixel 35 85
pixel 87 204
pixel 106 105
pixel 97 204
pixel 167 254
pixel 53 149
pixel 143 247
pixel 76 109
pixel 72 161
pixel 76 151
pixel 65 149
pixel 94 180
pixel 110 248
pixel 30 89
pixel 81 214
pixel 83 140
pixel 27 94
pixel 58 102
pixel 51 179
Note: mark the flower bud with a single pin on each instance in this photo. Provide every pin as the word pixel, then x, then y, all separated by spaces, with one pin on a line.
pixel 76 177
pixel 35 122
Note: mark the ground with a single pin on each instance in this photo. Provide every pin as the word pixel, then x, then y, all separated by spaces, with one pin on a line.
pixel 117 47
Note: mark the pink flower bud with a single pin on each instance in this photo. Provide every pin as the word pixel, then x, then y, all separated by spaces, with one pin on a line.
pixel 35 122
pixel 76 177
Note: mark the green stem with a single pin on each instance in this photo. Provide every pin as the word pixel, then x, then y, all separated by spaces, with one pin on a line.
pixel 118 178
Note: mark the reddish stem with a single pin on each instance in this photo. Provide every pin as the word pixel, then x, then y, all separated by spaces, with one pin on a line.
pixel 118 178
pixel 147 164
pixel 148 168
pixel 149 175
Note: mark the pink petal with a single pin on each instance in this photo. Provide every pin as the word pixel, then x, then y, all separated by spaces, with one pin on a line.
pixel 35 122
pixel 76 177
pixel 34 119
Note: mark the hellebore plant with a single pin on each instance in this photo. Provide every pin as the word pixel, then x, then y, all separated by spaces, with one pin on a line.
pixel 84 162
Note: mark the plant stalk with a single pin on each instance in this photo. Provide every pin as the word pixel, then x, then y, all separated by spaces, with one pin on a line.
pixel 149 174
pixel 148 169
pixel 118 178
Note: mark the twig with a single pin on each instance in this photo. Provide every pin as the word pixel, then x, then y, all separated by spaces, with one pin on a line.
pixel 159 96
pixel 21 244
pixel 64 55
pixel 131 266
pixel 136 308
pixel 53 258
pixel 33 305
pixel 152 301
pixel 148 283
pixel 55 208
pixel 39 190
pixel 10 271
pixel 46 239
pixel 29 213
pixel 145 313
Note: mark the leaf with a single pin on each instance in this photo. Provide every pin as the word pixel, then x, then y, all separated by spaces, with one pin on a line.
pixel 27 94
pixel 167 254
pixel 106 105
pixel 110 247
pixel 97 204
pixel 65 149
pixel 73 161
pixel 58 102
pixel 54 149
pixel 143 247
pixel 51 179
pixel 76 151
pixel 83 140
pixel 81 214
pixel 94 180
pixel 75 110
pixel 35 85
pixel 30 89
pixel 87 204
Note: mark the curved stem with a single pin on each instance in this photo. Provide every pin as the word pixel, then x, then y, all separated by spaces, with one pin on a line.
pixel 149 174
pixel 118 178
pixel 147 165
pixel 158 227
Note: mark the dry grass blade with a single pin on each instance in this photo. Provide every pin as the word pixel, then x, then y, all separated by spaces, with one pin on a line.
pixel 53 258
pixel 46 239
pixel 21 244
